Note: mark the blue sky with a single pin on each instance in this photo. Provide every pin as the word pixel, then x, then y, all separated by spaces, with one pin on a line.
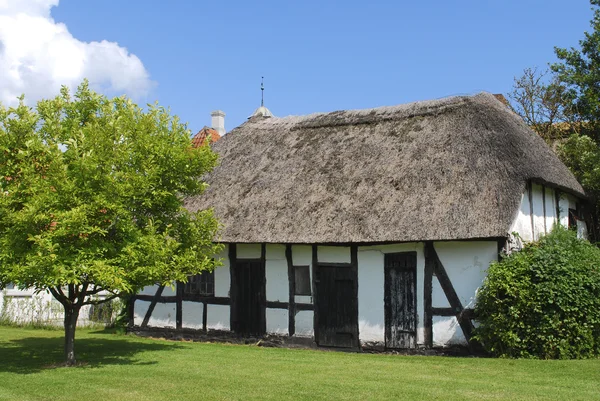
pixel 321 55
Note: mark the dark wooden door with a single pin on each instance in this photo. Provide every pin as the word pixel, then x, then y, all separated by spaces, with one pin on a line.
pixel 248 298
pixel 337 306
pixel 400 300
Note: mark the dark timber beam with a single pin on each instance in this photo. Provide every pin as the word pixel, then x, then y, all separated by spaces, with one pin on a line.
pixel 263 297
pixel 131 311
pixel 233 287
pixel 169 299
pixel 427 293
pixel 354 267
pixel 153 301
pixel 315 263
pixel 204 316
pixel 292 291
pixel 544 207
pixel 530 194
pixel 557 200
pixel 179 307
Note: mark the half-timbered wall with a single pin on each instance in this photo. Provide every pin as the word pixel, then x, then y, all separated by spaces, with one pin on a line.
pixel 464 264
pixel 541 208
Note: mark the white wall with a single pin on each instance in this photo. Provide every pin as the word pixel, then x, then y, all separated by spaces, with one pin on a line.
pixel 24 307
pixel 544 219
pixel 465 263
pixel 371 318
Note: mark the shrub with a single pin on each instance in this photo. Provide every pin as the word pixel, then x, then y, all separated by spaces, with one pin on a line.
pixel 543 301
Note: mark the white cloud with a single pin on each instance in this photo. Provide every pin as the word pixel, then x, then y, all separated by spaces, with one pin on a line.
pixel 38 55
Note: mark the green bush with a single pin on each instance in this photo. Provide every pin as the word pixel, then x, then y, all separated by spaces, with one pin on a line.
pixel 544 301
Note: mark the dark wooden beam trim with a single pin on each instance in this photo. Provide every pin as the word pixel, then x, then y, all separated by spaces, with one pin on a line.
pixel 354 267
pixel 163 299
pixel 179 306
pixel 557 200
pixel 502 245
pixel 530 194
pixel 263 295
pixel 329 264
pixel 465 324
pixel 427 294
pixel 544 208
pixel 153 300
pixel 284 305
pixel 185 297
pixel 233 289
pixel 292 291
pixel 131 311
pixel 204 316
pixel 247 260
pixel 466 313
pixel 375 243
pixel 315 273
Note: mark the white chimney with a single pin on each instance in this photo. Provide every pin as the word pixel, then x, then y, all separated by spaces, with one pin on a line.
pixel 218 121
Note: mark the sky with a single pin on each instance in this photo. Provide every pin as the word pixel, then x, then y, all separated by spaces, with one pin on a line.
pixel 315 56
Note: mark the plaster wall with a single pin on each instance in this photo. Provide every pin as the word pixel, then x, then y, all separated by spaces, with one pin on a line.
pixel 191 315
pixel 544 217
pixel 276 272
pixel 222 274
pixel 371 318
pixel 539 219
pixel 465 263
pixel 304 323
pixel 24 307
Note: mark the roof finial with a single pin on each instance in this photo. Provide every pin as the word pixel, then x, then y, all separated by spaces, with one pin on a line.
pixel 262 91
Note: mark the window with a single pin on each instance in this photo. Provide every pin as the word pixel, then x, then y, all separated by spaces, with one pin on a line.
pixel 201 284
pixel 302 275
pixel 10 286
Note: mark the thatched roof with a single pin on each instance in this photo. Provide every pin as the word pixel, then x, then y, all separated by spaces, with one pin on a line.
pixel 446 169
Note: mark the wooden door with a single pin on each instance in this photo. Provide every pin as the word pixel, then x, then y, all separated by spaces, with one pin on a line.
pixel 337 306
pixel 400 300
pixel 248 298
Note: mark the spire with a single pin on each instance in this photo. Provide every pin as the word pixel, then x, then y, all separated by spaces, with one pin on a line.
pixel 262 111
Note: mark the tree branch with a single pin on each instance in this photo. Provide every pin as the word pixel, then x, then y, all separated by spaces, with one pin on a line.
pixel 59 295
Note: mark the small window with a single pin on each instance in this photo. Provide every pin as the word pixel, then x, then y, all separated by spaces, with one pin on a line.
pixel 201 284
pixel 10 286
pixel 302 274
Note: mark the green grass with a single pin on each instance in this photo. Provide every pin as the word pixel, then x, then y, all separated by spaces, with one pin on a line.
pixel 121 367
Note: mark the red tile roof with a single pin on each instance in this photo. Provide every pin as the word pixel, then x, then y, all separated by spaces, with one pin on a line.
pixel 205 134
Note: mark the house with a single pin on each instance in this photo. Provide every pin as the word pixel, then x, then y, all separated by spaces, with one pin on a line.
pixel 368 226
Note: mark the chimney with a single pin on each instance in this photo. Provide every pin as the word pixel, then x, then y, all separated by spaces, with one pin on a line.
pixel 218 121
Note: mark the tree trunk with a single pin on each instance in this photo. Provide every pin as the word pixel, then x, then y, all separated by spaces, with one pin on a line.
pixel 71 315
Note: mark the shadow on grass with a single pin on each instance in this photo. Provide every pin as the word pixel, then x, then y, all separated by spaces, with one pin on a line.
pixel 35 354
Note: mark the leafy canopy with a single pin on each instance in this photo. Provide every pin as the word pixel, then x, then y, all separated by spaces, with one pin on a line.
pixel 543 301
pixel 91 197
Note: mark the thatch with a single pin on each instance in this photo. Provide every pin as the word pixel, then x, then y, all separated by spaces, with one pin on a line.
pixel 446 169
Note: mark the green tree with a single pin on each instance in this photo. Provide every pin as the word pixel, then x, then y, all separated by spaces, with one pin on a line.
pixel 564 109
pixel 91 200
pixel 579 71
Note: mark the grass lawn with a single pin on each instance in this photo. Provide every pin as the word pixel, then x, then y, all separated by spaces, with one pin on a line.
pixel 121 367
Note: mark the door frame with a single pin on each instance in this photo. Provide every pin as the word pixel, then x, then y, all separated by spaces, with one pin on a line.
pixel 387 302
pixel 353 265
pixel 234 290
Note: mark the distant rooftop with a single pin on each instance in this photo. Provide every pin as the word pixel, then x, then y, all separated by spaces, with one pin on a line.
pixel 205 134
